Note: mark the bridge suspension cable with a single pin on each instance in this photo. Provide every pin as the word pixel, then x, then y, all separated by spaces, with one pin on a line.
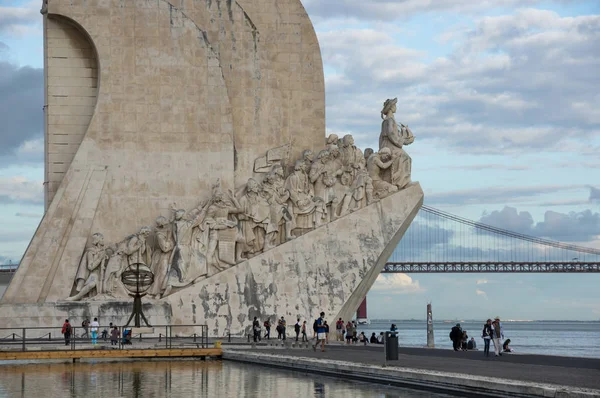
pixel 438 241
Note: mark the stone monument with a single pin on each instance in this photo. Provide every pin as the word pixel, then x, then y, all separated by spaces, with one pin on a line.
pixel 201 125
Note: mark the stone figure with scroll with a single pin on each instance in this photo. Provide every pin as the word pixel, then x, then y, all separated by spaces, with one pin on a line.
pixel 161 257
pixel 355 170
pixel 275 193
pixel 307 209
pixel 343 181
pixel 394 137
pixel 91 270
pixel 255 223
pixel 220 230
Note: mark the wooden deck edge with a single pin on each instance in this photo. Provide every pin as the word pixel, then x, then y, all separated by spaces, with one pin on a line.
pixel 101 353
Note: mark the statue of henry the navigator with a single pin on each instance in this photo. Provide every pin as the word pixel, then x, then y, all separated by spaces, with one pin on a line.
pixel 394 137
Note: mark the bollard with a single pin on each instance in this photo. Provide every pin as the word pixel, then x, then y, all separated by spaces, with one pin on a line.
pixel 23 339
pixel 248 338
pixel 14 336
pixel 229 338
pixel 194 337
pixel 159 337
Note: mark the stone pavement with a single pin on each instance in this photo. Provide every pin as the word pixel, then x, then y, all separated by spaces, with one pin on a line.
pixel 576 372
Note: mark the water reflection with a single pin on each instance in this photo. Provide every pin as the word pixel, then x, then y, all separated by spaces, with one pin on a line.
pixel 187 378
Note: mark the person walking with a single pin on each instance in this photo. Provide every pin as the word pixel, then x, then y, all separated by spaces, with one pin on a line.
pixel 497 336
pixel 66 331
pixel 282 325
pixel 339 330
pixel 267 326
pixel 85 325
pixel 256 329
pixel 114 336
pixel 94 328
pixel 297 329
pixel 486 334
pixel 321 336
pixel 304 337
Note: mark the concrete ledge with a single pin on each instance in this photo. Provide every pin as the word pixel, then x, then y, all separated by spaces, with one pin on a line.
pixel 472 386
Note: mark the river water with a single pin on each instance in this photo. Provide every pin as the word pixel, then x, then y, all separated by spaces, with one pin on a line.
pixel 149 379
pixel 564 338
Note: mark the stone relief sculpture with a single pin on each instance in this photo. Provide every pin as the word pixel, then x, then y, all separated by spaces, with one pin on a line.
pixel 90 273
pixel 161 257
pixel 220 228
pixel 226 230
pixel 395 137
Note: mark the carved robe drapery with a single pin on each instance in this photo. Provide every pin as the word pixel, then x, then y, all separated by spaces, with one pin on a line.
pixel 187 256
pixel 394 138
pixel 161 261
pixel 303 205
pixel 89 267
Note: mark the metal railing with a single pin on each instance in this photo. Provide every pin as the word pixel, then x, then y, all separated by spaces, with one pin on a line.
pixel 80 338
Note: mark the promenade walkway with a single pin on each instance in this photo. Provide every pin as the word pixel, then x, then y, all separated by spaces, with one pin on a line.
pixel 577 372
pixel 466 373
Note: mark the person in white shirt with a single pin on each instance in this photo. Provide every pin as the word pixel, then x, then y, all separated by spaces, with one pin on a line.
pixel 94 326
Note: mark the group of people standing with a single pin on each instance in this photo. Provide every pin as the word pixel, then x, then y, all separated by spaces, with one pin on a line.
pixel 90 330
pixel 492 332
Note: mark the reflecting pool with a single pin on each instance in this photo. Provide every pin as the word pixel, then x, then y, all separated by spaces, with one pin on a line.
pixel 185 378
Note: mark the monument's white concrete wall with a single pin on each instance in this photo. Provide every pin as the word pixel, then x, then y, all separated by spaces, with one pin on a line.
pixel 71 73
pixel 188 92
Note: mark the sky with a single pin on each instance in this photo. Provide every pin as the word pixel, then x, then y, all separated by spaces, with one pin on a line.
pixel 501 95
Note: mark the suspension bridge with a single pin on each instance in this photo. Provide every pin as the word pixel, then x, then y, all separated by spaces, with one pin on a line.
pixel 440 242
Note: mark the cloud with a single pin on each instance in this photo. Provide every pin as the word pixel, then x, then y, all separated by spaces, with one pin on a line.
pixel 510 84
pixel 491 195
pixel 29 215
pixel 482 281
pixel 481 293
pixel 594 194
pixel 581 226
pixel 17 21
pixel 21 190
pixel 396 284
pixel 381 10
pixel 21 102
pixel 29 153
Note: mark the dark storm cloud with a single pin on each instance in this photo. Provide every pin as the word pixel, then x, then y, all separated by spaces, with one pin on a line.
pixel 21 102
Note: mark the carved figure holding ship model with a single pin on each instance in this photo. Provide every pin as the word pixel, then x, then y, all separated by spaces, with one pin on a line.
pixel 394 137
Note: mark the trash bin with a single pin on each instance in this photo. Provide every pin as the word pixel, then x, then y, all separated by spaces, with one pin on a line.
pixel 391 346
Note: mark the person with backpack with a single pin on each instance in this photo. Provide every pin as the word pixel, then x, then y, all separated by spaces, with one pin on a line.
pixel 456 336
pixel 297 329
pixel 321 336
pixel 66 331
pixel 256 329
pixel 267 326
pixel 486 334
